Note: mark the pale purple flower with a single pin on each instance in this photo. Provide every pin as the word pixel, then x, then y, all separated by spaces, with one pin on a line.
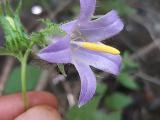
pixel 71 49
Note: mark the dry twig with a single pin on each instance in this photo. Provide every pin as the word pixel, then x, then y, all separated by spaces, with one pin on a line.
pixel 148 78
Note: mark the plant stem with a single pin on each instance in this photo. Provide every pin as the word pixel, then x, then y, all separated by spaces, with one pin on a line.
pixel 23 80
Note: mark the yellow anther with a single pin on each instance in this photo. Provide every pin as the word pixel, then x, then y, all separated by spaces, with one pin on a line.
pixel 99 47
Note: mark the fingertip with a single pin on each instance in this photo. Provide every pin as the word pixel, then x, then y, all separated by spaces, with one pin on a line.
pixel 40 113
pixel 12 105
pixel 40 98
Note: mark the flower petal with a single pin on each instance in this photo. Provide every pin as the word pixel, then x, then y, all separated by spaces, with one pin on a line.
pixel 58 52
pixel 101 29
pixel 68 27
pixel 88 82
pixel 87 10
pixel 104 62
pixel 105 20
pixel 115 58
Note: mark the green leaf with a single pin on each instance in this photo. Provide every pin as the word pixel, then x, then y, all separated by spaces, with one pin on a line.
pixel 114 116
pixel 101 88
pixel 128 63
pixel 127 81
pixel 61 69
pixel 117 101
pixel 99 116
pixel 4 51
pixel 14 83
pixel 109 116
pixel 87 111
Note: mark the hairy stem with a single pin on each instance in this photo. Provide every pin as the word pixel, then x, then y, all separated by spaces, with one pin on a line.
pixel 23 80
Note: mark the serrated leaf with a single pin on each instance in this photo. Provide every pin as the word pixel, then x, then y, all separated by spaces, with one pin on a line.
pixel 117 101
pixel 4 51
pixel 14 83
pixel 16 40
pixel 61 69
pixel 50 30
pixel 127 81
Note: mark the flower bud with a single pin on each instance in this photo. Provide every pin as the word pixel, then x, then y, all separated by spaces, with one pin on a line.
pixel 11 22
pixel 16 40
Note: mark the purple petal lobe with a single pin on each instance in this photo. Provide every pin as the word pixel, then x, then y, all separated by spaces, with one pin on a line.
pixel 105 20
pixel 58 52
pixel 103 28
pixel 87 10
pixel 68 27
pixel 61 44
pixel 62 56
pixel 104 62
pixel 115 58
pixel 88 82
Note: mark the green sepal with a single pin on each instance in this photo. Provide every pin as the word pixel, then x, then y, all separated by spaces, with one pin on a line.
pixel 51 29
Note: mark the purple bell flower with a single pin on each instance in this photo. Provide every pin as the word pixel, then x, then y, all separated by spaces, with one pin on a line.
pixel 82 47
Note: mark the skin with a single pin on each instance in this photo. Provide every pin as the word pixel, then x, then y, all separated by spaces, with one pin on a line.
pixel 43 106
